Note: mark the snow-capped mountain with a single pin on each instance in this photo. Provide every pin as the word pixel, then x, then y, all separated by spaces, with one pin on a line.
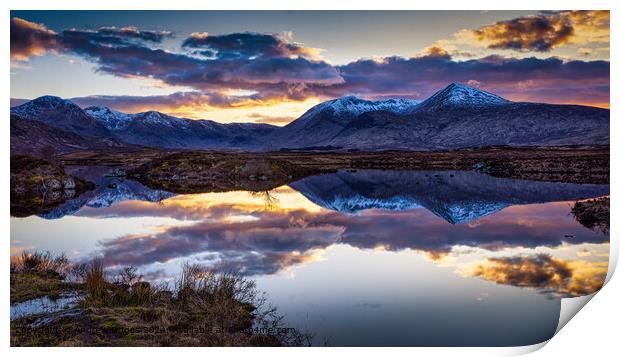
pixel 151 128
pixel 61 114
pixel 325 120
pixel 351 106
pixel 456 196
pixel 457 116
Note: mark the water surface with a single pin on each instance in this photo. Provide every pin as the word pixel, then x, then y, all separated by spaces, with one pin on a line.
pixel 380 258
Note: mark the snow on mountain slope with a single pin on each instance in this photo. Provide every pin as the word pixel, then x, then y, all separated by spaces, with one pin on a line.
pixel 460 95
pixel 353 106
pixel 349 107
pixel 41 105
pixel 325 120
pixel 111 119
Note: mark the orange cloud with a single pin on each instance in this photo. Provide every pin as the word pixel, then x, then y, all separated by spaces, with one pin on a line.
pixel 259 118
pixel 544 32
pixel 30 39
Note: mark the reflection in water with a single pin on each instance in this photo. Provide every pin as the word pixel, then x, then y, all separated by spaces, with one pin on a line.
pixel 546 273
pixel 456 196
pixel 397 245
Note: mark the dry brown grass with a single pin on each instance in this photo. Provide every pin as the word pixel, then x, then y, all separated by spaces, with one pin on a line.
pixel 94 281
pixel 203 309
pixel 40 262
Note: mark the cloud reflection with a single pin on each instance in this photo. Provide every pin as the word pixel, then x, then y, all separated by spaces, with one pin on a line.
pixel 242 235
pixel 545 273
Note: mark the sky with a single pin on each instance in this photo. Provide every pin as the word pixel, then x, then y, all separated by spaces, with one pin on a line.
pixel 272 66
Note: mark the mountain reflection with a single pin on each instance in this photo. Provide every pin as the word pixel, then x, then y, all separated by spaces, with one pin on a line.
pixel 456 196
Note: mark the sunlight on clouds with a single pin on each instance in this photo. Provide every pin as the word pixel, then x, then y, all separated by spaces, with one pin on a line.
pixel 259 113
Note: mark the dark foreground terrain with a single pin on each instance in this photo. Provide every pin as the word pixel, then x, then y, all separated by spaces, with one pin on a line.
pixel 203 308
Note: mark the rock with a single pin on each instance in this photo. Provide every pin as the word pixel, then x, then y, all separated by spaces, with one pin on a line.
pixel 52 195
pixel 52 183
pixel 68 183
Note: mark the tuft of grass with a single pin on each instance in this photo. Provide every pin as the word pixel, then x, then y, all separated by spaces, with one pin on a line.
pixel 95 283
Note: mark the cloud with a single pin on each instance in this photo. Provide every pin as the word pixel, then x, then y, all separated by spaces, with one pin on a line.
pixel 543 32
pixel 30 39
pixel 274 69
pixel 134 32
pixel 259 118
pixel 436 51
pixel 545 273
pixel 536 33
pixel 528 79
pixel 567 81
pixel 247 45
pixel 177 102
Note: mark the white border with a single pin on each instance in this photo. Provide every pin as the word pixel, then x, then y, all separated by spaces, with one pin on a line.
pixel 594 330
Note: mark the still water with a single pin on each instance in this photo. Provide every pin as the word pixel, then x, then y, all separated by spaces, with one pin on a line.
pixel 379 258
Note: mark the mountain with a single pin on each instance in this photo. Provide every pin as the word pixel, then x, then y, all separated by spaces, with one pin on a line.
pixel 33 137
pixel 457 116
pixel 160 130
pixel 456 196
pixel 61 114
pixel 322 122
pixel 109 118
pixel 461 96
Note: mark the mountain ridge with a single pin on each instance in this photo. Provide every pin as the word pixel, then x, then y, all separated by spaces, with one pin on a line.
pixel 458 116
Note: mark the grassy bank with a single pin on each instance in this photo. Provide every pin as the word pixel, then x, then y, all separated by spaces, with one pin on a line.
pixel 202 309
